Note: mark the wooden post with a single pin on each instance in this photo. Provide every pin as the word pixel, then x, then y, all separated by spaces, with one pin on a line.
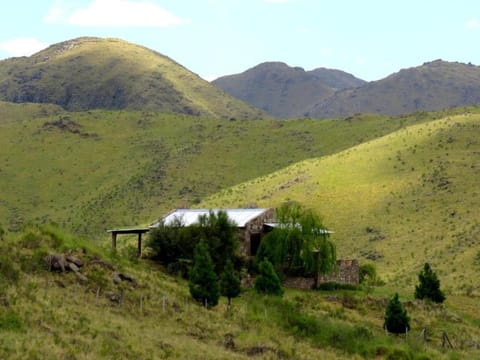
pixel 114 240
pixel 140 244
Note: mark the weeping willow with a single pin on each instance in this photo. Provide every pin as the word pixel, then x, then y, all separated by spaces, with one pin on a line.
pixel 300 241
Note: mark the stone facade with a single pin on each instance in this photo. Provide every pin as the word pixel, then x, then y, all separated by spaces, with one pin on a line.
pixel 252 233
pixel 348 272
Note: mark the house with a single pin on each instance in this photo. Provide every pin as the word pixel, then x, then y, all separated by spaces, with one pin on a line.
pixel 250 223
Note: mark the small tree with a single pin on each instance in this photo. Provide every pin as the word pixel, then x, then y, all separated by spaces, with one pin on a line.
pixel 396 318
pixel 268 282
pixel 229 282
pixel 203 282
pixel 429 286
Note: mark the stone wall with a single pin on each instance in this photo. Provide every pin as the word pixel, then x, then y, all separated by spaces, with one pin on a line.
pixel 347 273
pixel 255 226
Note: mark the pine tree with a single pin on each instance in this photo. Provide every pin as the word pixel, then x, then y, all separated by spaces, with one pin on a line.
pixel 267 281
pixel 229 282
pixel 396 318
pixel 203 282
pixel 429 286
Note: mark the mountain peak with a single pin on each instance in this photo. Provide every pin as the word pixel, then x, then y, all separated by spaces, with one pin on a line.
pixel 108 73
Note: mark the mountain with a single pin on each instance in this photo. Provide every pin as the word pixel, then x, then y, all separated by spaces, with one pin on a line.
pixel 337 79
pixel 284 91
pixel 432 86
pixel 94 73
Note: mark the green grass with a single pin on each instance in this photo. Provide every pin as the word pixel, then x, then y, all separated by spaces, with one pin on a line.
pixel 94 73
pixel 400 200
pixel 89 171
pixel 54 315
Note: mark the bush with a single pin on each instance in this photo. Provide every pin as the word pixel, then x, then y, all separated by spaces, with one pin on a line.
pixel 203 282
pixel 268 282
pixel 229 282
pixel 396 318
pixel 429 286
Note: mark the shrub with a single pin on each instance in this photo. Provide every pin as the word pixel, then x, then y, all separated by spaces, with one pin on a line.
pixel 203 282
pixel 429 286
pixel 229 282
pixel 268 282
pixel 396 318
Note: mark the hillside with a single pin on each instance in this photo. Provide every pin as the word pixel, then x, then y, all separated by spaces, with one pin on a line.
pixel 284 91
pixel 95 73
pixel 89 171
pixel 432 86
pixel 94 314
pixel 400 200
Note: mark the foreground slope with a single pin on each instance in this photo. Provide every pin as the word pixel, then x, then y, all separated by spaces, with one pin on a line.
pixel 115 306
pixel 95 73
pixel 285 91
pixel 399 200
pixel 432 86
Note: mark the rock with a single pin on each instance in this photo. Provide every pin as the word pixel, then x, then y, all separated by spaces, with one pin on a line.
pixel 55 262
pixel 116 278
pixel 73 267
pixel 103 263
pixel 74 260
pixel 126 277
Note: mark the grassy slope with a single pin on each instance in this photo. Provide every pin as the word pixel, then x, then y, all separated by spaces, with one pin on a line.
pixel 93 73
pixel 93 170
pixel 405 198
pixel 56 316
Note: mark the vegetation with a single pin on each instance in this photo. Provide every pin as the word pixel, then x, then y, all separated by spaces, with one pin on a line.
pixel 203 281
pixel 396 318
pixel 99 75
pixel 229 282
pixel 116 161
pixel 174 243
pixel 57 315
pixel 394 201
pixel 429 286
pixel 299 243
pixel 267 281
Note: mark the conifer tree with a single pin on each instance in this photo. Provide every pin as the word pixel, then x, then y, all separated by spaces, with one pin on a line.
pixel 203 282
pixel 429 285
pixel 396 318
pixel 229 282
pixel 267 281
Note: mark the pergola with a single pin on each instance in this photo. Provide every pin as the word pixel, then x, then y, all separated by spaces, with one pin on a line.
pixel 138 231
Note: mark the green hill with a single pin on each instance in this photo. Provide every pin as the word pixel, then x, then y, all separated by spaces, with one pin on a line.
pixel 432 86
pixel 94 73
pixel 400 200
pixel 89 171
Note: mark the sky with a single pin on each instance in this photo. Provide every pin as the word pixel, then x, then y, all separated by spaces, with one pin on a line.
pixel 370 39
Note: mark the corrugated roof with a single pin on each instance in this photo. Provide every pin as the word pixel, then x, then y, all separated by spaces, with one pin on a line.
pixel 190 216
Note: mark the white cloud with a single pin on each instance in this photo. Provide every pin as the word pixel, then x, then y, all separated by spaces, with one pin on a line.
pixel 473 24
pixel 121 13
pixel 22 46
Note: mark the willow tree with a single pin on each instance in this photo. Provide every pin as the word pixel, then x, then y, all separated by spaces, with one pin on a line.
pixel 299 243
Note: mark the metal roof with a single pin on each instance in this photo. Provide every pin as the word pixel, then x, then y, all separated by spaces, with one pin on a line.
pixel 190 216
